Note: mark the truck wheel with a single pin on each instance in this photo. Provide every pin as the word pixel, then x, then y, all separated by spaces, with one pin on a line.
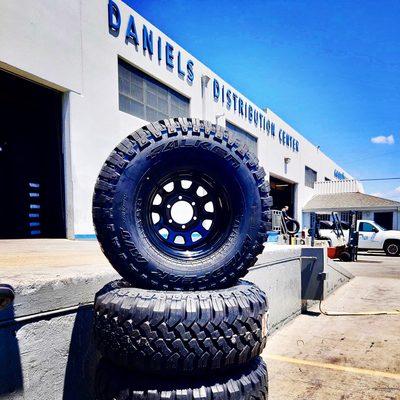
pixel 181 204
pixel 250 383
pixel 345 256
pixel 180 332
pixel 392 248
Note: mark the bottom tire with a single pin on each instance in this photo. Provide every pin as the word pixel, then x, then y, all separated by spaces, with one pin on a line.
pixel 115 383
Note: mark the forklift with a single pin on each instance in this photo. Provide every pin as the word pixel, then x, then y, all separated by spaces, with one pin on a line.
pixel 344 249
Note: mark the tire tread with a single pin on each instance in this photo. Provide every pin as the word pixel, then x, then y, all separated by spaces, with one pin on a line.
pixel 181 332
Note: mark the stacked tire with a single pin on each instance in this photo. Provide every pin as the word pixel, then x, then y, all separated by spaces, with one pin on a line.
pixel 181 210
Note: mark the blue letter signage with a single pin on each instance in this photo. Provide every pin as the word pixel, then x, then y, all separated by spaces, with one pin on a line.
pixel 339 175
pixel 232 101
pixel 114 17
pixel 185 68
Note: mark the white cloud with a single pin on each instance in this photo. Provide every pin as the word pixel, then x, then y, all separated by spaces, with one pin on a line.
pixel 393 194
pixel 383 139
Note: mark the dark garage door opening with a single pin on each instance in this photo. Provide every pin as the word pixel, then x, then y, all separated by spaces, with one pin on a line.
pixel 31 161
pixel 384 219
pixel 283 194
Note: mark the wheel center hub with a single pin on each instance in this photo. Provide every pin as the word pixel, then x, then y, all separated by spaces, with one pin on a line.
pixel 182 212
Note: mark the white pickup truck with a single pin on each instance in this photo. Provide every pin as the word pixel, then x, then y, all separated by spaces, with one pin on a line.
pixel 372 236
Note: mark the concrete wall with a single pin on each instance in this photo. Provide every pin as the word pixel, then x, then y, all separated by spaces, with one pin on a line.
pixel 48 359
pixel 278 273
pixel 42 40
pixel 46 342
pixel 342 186
pixel 70 47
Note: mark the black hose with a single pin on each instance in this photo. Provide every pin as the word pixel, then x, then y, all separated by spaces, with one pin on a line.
pixel 296 226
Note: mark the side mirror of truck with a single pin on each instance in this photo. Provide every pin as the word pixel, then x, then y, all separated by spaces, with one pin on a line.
pixel 376 230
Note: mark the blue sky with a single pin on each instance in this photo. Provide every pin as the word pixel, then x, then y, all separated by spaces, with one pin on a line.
pixel 331 69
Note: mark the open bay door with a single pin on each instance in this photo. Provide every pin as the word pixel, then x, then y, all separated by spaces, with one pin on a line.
pixel 31 160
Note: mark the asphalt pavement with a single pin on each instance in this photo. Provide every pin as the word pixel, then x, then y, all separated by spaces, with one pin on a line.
pixel 343 357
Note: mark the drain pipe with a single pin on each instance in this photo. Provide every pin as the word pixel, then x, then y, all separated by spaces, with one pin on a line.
pixel 283 260
pixel 204 83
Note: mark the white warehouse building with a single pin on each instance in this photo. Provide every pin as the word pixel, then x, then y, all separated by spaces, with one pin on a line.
pixel 78 76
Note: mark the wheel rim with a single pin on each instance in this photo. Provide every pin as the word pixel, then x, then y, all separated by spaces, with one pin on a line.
pixel 393 249
pixel 187 215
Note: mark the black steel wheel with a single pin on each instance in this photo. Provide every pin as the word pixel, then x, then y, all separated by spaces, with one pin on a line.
pixel 187 214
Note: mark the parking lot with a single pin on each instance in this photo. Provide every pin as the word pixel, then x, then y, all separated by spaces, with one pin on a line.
pixel 343 357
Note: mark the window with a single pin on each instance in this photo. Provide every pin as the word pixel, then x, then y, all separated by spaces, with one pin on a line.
pixel 345 216
pixel 324 217
pixel 244 136
pixel 144 97
pixel 310 177
pixel 366 227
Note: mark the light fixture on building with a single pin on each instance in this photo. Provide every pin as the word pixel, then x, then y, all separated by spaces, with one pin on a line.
pixel 287 160
pixel 204 82
pixel 205 79
pixel 218 116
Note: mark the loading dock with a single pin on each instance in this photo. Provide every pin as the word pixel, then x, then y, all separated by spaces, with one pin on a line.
pixel 46 334
pixel 31 160
pixel 283 193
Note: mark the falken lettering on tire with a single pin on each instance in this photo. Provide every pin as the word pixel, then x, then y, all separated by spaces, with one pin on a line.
pixel 180 332
pixel 197 163
pixel 248 383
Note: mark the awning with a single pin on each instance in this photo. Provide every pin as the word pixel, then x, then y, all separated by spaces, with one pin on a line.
pixel 349 201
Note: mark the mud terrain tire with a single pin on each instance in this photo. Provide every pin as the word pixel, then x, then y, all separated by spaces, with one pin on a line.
pixel 180 332
pixel 250 383
pixel 137 231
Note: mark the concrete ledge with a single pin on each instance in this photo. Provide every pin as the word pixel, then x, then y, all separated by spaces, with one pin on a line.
pixel 52 274
pixel 46 336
